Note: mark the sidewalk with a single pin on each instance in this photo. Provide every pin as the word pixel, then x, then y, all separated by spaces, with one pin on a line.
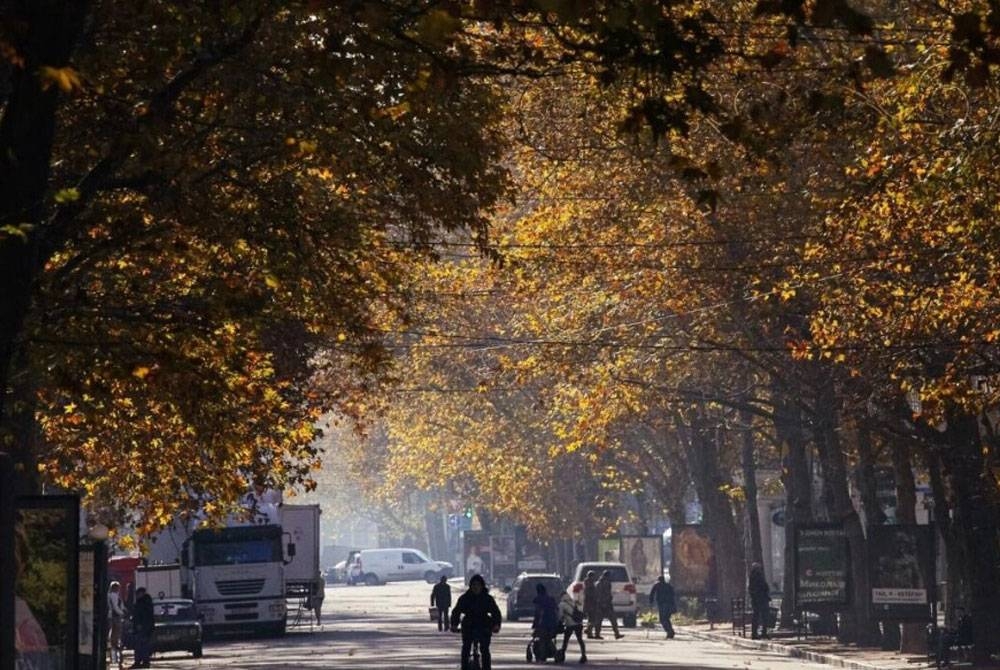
pixel 814 649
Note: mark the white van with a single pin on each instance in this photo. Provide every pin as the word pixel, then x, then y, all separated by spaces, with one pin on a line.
pixel 378 566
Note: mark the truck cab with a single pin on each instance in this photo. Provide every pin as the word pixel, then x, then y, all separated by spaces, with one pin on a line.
pixel 236 577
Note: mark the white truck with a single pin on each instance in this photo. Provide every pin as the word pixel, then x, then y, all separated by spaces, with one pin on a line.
pixel 236 576
pixel 303 578
pixel 160 581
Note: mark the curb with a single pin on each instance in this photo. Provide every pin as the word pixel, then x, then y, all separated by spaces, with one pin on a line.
pixel 785 650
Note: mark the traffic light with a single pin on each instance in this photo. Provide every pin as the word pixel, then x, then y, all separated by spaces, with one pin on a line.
pixel 468 511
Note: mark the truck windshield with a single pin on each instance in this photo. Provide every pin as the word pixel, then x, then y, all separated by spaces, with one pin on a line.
pixel 237 552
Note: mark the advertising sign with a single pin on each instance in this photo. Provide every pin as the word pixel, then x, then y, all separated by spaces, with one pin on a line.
pixel 609 550
pixel 46 534
pixel 530 552
pixel 88 604
pixel 502 551
pixel 901 569
pixel 822 566
pixel 643 554
pixel 477 559
pixel 692 565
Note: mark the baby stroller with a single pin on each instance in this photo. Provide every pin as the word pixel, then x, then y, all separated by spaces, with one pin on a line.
pixel 542 646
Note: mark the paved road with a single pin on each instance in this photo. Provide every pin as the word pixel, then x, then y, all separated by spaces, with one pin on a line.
pixel 387 627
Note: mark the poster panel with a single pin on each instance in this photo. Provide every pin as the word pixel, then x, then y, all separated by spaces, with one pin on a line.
pixel 46 596
pixel 901 572
pixel 822 566
pixel 643 554
pixel 692 565
pixel 476 556
pixel 609 550
pixel 504 556
pixel 531 555
pixel 88 603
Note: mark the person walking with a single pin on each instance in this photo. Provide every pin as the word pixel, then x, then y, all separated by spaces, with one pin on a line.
pixel 441 599
pixel 142 628
pixel 760 601
pixel 477 615
pixel 116 618
pixel 606 605
pixel 662 597
pixel 571 619
pixel 590 602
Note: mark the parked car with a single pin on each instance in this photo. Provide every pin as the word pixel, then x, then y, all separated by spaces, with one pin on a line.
pixel 336 574
pixel 623 589
pixel 176 626
pixel 378 566
pixel 523 592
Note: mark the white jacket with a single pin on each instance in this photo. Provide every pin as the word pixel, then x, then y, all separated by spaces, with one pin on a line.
pixel 115 606
pixel 566 609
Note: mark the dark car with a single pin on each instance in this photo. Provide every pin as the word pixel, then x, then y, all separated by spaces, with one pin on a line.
pixel 177 627
pixel 523 592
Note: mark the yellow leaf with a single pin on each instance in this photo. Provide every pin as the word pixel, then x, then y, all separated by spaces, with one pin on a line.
pixel 271 281
pixel 66 78
pixel 140 372
pixel 67 195
pixel 70 408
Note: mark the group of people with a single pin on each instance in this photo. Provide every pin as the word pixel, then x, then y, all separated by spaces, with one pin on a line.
pixel 598 604
pixel 142 623
pixel 552 617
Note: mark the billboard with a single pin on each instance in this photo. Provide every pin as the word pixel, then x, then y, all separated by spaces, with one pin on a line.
pixel 504 557
pixel 609 549
pixel 476 555
pixel 901 571
pixel 46 592
pixel 530 552
pixel 822 566
pixel 692 564
pixel 643 554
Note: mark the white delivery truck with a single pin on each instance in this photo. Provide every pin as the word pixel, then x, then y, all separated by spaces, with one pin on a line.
pixel 303 578
pixel 236 576
pixel 160 581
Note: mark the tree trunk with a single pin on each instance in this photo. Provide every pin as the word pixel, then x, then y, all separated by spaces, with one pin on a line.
pixel 866 479
pixel 720 523
pixel 957 589
pixel 51 29
pixel 856 622
pixel 912 639
pixel 748 454
pixel 975 508
pixel 798 494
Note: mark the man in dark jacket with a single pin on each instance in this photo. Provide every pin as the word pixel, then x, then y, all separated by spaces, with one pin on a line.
pixel 479 617
pixel 760 601
pixel 662 597
pixel 590 602
pixel 441 599
pixel 142 628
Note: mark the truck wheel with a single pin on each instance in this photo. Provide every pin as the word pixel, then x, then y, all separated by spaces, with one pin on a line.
pixel 629 620
pixel 371 579
pixel 196 652
pixel 430 576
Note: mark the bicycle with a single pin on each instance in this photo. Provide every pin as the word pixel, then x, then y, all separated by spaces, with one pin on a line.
pixel 475 663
